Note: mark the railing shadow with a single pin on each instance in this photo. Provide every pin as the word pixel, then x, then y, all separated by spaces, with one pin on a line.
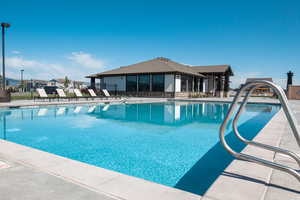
pixel 200 177
pixel 233 175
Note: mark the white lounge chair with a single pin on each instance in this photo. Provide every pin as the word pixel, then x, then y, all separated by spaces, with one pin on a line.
pixel 78 94
pixel 92 93
pixel 107 95
pixel 62 94
pixel 42 94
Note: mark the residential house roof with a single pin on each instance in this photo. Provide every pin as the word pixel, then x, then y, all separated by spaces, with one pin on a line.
pixel 258 79
pixel 213 69
pixel 157 65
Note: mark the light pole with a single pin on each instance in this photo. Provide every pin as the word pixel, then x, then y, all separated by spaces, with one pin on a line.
pixel 3 25
pixel 22 85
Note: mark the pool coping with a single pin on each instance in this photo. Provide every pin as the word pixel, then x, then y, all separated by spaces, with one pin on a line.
pixel 247 180
pixel 104 181
pixel 18 104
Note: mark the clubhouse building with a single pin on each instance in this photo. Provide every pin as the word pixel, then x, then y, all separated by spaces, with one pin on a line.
pixel 162 77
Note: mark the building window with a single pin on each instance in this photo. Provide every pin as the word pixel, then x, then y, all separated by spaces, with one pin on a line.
pixel 158 83
pixel 131 83
pixel 196 84
pixel 184 83
pixel 190 83
pixel 144 83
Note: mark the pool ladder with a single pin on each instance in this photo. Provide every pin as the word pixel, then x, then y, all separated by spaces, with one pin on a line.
pixel 248 88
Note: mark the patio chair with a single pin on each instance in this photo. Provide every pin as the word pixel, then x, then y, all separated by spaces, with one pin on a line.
pixel 92 93
pixel 62 94
pixel 78 94
pixel 107 95
pixel 42 94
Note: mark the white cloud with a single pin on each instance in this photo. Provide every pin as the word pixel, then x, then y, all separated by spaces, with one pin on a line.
pixel 86 60
pixel 81 64
pixel 15 52
pixel 41 70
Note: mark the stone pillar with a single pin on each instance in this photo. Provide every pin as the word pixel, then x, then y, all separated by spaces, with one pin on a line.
pixel 226 84
pixel 193 84
pixel 290 75
pixel 219 85
pixel 201 85
pixel 93 83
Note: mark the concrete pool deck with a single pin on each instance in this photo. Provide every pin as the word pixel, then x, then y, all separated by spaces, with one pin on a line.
pixel 28 173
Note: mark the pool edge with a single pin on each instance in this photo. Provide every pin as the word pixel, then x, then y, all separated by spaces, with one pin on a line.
pixel 103 181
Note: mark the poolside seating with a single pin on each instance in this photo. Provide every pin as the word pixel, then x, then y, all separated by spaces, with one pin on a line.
pixel 42 94
pixel 78 94
pixel 62 94
pixel 92 93
pixel 107 95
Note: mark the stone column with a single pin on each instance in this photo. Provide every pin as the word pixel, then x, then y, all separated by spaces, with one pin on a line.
pixel 201 84
pixel 219 86
pixel 193 84
pixel 226 84
pixel 93 83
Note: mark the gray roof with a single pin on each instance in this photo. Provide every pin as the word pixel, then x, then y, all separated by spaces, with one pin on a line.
pixel 157 65
pixel 258 79
pixel 213 69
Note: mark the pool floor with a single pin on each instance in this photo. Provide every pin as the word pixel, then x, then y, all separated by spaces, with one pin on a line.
pixel 174 143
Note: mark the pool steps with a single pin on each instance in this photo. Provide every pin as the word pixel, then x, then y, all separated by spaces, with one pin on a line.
pixel 248 88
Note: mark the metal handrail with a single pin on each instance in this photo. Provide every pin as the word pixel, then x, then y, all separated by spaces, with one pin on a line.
pixel 291 119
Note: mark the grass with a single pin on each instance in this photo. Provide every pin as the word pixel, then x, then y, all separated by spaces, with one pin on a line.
pixel 29 96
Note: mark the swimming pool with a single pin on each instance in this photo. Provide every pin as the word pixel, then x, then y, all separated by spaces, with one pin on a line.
pixel 172 143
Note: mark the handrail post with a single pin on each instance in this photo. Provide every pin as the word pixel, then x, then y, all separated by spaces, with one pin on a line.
pixel 291 119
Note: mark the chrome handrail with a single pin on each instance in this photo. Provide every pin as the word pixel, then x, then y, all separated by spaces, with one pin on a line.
pixel 251 86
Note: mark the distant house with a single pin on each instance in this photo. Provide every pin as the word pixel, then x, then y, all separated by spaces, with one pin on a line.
pixel 34 83
pixel 60 82
pixel 164 77
pixel 262 90
pixel 56 82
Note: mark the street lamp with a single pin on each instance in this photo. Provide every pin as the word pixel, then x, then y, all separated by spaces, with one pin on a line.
pixel 22 85
pixel 3 25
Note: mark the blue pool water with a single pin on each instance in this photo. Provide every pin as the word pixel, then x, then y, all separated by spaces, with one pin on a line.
pixel 173 143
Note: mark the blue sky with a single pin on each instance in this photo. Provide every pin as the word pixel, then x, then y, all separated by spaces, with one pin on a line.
pixel 51 39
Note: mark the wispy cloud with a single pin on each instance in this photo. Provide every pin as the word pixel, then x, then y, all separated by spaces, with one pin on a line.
pixel 15 52
pixel 75 66
pixel 86 60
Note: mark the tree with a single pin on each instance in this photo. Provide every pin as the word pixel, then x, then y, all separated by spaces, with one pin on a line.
pixel 67 82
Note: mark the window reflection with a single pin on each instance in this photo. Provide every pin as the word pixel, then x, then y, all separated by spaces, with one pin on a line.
pixel 158 83
pixel 162 114
pixel 144 83
pixel 131 83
